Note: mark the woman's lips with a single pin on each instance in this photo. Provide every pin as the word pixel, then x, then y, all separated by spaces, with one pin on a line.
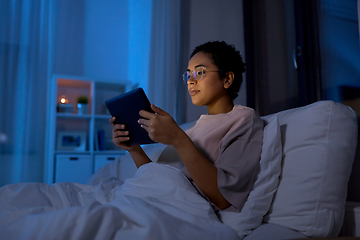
pixel 192 92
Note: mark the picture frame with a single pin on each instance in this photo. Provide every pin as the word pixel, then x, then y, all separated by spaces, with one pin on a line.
pixel 71 140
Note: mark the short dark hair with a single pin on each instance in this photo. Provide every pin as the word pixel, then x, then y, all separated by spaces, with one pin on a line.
pixel 227 59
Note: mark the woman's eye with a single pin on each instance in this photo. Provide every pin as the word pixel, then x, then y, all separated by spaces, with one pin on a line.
pixel 199 73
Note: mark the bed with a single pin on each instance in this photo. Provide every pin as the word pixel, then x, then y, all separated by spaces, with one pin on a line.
pixel 300 191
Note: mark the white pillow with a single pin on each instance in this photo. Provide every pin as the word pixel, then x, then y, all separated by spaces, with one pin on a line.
pixel 266 183
pixel 319 142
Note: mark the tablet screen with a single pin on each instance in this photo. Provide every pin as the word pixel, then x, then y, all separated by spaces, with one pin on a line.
pixel 126 108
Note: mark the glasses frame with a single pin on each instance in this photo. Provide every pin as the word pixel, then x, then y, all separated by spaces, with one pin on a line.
pixel 186 75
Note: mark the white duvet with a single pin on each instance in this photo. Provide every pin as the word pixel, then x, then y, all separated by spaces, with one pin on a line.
pixel 157 203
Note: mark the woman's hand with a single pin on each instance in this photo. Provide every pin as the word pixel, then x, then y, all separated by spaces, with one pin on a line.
pixel 120 136
pixel 160 126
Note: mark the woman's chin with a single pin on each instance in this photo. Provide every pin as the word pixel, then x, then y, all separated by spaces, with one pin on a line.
pixel 196 103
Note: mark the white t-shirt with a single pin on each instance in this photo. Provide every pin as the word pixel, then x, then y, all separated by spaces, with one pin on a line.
pixel 232 142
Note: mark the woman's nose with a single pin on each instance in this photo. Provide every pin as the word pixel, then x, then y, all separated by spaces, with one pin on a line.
pixel 191 80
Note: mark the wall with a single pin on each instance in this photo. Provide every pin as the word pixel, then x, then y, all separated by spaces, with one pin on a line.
pixel 90 42
pixel 69 29
pixel 215 20
pixel 139 42
pixel 106 41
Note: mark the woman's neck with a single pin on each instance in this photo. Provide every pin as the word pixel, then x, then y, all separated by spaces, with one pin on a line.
pixel 224 106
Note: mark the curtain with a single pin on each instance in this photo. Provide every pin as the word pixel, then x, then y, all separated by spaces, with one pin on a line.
pixel 24 27
pixel 164 64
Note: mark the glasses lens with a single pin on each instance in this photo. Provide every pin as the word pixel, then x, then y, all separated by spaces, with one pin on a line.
pixel 198 73
pixel 186 76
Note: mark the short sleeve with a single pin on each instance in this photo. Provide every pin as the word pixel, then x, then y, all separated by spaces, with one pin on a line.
pixel 238 161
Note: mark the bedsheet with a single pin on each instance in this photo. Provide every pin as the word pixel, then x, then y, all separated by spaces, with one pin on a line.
pixel 157 203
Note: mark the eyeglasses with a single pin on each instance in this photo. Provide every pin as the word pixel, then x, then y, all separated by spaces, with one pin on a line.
pixel 198 73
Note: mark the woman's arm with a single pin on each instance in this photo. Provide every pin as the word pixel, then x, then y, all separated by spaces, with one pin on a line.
pixel 139 156
pixel 162 128
pixel 202 171
pixel 120 136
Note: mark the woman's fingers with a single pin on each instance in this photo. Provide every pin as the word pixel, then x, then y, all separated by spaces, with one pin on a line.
pixel 112 120
pixel 118 127
pixel 119 140
pixel 158 110
pixel 119 137
pixel 145 127
pixel 144 122
pixel 120 133
pixel 146 114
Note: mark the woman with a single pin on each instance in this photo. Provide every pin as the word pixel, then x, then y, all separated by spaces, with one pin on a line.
pixel 220 153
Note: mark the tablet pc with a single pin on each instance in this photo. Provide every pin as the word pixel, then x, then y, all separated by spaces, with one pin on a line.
pixel 126 108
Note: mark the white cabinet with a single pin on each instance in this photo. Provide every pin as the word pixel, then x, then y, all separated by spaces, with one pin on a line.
pixel 79 139
pixel 102 160
pixel 73 168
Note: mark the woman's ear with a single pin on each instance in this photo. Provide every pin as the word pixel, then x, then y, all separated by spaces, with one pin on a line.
pixel 228 80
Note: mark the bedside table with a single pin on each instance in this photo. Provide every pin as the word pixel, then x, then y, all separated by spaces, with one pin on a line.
pixel 351 225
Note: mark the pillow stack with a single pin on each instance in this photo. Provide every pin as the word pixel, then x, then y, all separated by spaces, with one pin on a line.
pixel 319 142
pixel 266 183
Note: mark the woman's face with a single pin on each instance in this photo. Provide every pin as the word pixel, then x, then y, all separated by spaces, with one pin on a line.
pixel 210 89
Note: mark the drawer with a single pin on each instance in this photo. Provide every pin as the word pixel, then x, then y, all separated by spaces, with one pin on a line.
pixel 102 160
pixel 126 166
pixel 73 168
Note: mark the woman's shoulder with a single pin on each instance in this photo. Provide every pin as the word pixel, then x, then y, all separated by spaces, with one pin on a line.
pixel 244 123
pixel 239 117
pixel 243 112
pixel 241 108
pixel 246 118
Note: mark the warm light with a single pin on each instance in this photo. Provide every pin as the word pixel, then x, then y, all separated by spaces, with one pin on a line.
pixel 63 99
